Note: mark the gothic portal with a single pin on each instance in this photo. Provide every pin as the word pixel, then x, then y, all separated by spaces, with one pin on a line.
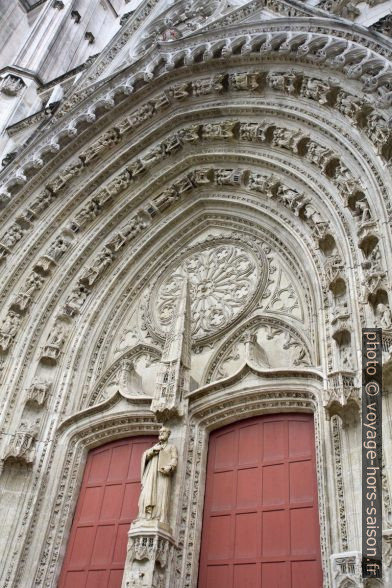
pixel 195 225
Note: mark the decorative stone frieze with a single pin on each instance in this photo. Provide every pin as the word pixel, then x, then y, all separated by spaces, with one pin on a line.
pixel 340 486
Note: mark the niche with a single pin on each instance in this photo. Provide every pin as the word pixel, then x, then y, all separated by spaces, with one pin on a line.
pixel 327 245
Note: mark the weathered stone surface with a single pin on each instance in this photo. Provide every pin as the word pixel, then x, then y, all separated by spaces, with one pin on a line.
pixel 244 151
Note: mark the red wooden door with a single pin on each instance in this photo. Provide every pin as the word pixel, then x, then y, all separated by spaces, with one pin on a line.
pixel 260 523
pixel 106 506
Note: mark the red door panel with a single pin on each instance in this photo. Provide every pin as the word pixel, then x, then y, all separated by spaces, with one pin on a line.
pixel 260 522
pixel 106 506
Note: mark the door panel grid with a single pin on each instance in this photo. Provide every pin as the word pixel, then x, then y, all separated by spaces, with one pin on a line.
pixel 107 504
pixel 260 522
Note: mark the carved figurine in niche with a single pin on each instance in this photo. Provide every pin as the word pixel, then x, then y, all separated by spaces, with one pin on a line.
pixel 10 324
pixel 346 358
pixel 76 299
pixel 43 200
pixel 8 329
pixel 179 91
pixel 262 183
pixel 340 306
pixel 316 90
pixel 312 215
pixel 362 211
pixel 228 177
pixel 166 198
pixel 54 343
pixel 108 139
pixel 183 185
pixel 223 130
pixel 189 134
pixel 172 144
pixel 151 157
pixel 56 337
pixel 384 316
pixel 245 80
pixel 12 236
pixel 136 167
pixel 57 248
pixel 88 213
pixel 201 176
pixel 118 184
pixel 24 296
pixel 127 233
pixel 158 464
pixel 161 101
pixel 291 198
pixel 101 262
pixel 21 447
pixel 285 82
pixel 287 139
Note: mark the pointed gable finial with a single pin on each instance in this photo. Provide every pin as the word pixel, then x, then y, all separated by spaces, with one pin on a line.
pixel 174 374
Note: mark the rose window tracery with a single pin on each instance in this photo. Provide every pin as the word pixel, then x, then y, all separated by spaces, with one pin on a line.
pixel 223 281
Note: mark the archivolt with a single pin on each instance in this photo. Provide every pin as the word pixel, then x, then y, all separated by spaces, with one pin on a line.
pixel 207 93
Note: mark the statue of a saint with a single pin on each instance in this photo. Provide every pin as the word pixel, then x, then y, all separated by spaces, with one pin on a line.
pixel 158 464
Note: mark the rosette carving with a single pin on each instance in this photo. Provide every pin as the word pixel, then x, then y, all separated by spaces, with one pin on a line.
pixel 223 278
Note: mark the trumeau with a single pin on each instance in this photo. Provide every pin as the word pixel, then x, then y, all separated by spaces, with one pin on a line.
pixel 197 194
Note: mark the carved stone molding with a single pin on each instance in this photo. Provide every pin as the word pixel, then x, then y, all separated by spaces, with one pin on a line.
pixel 340 490
pixel 379 131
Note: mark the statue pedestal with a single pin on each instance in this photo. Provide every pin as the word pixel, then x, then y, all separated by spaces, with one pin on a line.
pixel 150 547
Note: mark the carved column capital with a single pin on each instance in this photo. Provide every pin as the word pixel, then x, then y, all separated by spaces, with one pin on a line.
pixel 150 548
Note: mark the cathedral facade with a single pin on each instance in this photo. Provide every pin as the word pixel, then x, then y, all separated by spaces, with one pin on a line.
pixel 195 226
